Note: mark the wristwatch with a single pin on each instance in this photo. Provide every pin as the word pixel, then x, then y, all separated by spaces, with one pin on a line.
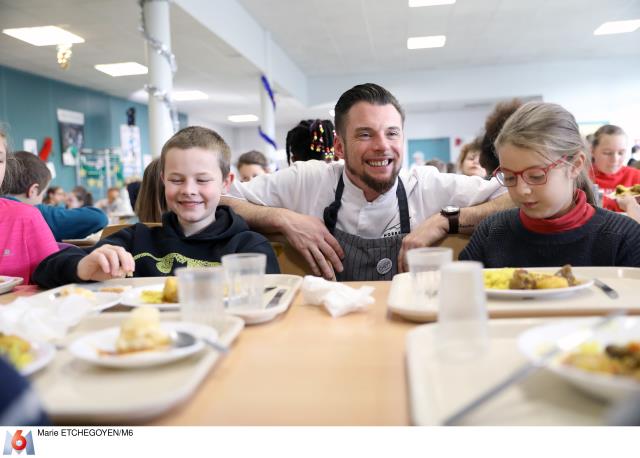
pixel 452 213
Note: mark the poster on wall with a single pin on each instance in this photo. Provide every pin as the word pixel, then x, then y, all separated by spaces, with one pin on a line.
pixel 131 152
pixel 71 124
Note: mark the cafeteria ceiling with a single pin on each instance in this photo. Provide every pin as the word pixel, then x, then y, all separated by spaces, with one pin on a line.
pixel 315 45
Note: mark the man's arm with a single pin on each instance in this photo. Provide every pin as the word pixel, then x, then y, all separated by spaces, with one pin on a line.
pixel 436 227
pixel 305 233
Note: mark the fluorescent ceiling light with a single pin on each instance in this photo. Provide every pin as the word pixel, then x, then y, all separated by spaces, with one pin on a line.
pixel 419 3
pixel 612 27
pixel 243 118
pixel 122 69
pixel 44 36
pixel 185 96
pixel 436 41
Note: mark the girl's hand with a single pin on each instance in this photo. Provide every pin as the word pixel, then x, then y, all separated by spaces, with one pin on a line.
pixel 628 203
pixel 106 262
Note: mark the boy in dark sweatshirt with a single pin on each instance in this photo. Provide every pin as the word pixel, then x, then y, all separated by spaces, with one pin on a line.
pixel 195 231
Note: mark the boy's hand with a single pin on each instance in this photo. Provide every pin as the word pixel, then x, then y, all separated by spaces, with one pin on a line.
pixel 106 262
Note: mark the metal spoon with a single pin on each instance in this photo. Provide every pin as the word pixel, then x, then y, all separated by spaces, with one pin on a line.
pixel 181 339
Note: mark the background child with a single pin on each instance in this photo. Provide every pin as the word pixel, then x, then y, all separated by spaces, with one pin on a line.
pixel 29 187
pixel 195 231
pixel 252 164
pixel 543 164
pixel 311 139
pixel 25 238
pixel 609 149
pixel 150 203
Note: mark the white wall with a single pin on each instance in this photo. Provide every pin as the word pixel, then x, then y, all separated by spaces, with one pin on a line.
pixel 593 90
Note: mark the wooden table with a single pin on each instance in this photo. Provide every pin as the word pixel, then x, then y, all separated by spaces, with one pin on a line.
pixel 307 368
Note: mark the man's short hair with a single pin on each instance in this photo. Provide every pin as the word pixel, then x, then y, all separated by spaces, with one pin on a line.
pixel 368 92
pixel 253 157
pixel 199 137
pixel 31 170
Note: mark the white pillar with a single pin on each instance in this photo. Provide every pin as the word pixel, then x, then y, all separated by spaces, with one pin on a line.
pixel 267 105
pixel 157 21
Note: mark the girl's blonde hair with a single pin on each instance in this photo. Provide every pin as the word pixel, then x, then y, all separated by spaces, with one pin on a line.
pixel 552 132
pixel 608 129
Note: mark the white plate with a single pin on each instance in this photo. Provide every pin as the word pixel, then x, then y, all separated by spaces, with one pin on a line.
pixel 8 283
pixel 100 302
pixel 87 347
pixel 538 293
pixel 533 342
pixel 43 353
pixel 133 297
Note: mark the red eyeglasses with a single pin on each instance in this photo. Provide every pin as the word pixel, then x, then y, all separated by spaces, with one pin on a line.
pixel 533 175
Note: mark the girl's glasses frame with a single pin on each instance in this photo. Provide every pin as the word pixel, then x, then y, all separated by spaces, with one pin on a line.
pixel 534 176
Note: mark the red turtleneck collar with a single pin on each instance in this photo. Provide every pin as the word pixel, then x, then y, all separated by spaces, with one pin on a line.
pixel 576 217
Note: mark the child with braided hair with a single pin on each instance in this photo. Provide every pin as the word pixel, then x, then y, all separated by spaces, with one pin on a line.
pixel 311 139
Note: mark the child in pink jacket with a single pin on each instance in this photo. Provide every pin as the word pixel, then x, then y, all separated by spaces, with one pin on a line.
pixel 25 237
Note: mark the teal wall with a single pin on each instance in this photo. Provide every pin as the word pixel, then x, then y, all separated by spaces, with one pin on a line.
pixel 28 105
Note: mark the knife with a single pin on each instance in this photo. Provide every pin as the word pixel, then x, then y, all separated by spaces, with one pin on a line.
pixel 608 290
pixel 275 300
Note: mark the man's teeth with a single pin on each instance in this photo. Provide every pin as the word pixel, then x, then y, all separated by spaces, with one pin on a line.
pixel 379 163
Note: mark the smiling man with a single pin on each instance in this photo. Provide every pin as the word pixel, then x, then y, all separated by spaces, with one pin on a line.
pixel 359 216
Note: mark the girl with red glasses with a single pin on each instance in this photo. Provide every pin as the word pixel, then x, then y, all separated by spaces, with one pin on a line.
pixel 544 166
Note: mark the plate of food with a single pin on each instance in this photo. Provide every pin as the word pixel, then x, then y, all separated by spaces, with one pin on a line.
pixel 532 283
pixel 606 366
pixel 26 356
pixel 141 341
pixel 8 283
pixel 163 296
pixel 100 300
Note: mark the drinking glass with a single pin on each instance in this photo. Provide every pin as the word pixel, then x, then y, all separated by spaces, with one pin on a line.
pixel 201 294
pixel 462 331
pixel 425 265
pixel 245 279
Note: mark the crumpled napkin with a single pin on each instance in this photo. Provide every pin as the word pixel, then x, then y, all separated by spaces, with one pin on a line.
pixel 32 319
pixel 339 299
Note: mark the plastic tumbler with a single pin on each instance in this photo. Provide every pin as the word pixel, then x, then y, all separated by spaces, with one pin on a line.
pixel 245 279
pixel 462 331
pixel 201 294
pixel 425 265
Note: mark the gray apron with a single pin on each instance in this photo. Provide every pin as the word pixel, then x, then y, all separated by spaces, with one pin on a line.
pixel 368 259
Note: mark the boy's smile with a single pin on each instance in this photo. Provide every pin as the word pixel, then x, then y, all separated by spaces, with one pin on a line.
pixel 193 185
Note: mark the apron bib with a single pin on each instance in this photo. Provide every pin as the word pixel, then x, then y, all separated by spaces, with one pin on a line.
pixel 368 259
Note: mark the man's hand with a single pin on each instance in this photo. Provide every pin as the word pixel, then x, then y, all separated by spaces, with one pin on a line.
pixel 106 262
pixel 312 239
pixel 430 231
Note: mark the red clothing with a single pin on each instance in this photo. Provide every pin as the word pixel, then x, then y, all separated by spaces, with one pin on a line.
pixel 578 216
pixel 626 176
pixel 25 239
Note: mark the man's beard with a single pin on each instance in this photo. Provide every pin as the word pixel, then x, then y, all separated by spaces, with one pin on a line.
pixel 379 186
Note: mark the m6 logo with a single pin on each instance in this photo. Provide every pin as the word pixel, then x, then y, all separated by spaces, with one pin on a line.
pixel 18 443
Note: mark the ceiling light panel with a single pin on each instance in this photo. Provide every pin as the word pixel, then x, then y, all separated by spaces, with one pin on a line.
pixel 419 3
pixel 243 118
pixel 609 28
pixel 435 41
pixel 186 96
pixel 44 36
pixel 122 69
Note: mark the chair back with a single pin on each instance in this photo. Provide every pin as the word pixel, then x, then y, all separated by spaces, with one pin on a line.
pixel 112 228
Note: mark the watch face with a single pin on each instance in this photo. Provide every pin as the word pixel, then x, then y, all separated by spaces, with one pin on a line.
pixel 451 209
